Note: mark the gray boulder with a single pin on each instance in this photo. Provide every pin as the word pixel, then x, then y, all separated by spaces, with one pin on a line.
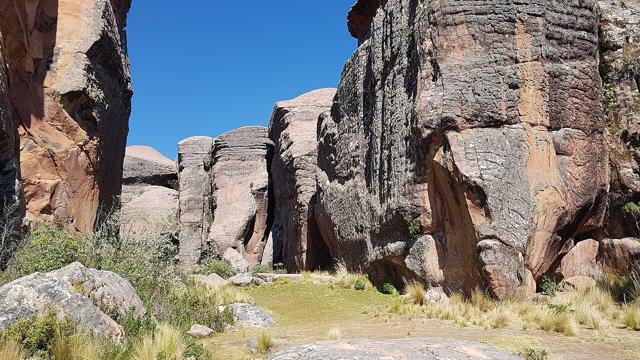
pixel 77 292
pixel 200 331
pixel 414 349
pixel 238 263
pixel 148 211
pixel 241 280
pixel 250 315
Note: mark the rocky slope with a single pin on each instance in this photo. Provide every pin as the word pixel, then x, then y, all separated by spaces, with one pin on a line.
pixel 69 96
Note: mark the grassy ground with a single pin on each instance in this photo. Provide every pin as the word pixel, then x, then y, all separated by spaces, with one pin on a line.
pixel 308 312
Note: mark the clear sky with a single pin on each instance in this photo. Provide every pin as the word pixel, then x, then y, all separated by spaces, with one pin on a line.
pixel 204 67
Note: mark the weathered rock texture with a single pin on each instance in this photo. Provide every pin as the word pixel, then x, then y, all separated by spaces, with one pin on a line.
pixel 479 123
pixel 78 292
pixel 194 162
pixel 149 201
pixel 9 159
pixel 417 349
pixel 70 92
pixel 145 165
pixel 620 70
pixel 240 193
pixel 293 129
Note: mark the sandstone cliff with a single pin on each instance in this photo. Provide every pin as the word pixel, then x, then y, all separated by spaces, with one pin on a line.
pixel 70 92
pixel 465 146
pixel 293 129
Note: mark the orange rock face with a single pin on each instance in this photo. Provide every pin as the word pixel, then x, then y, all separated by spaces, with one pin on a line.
pixel 70 91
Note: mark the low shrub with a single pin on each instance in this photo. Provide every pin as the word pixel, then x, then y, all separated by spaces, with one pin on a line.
pixel 261 269
pixel 216 266
pixel 389 289
pixel 359 285
pixel 534 354
pixel 37 335
pixel 548 286
pixel 48 248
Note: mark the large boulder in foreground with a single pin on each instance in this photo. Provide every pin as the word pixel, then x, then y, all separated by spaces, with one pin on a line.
pixel 240 193
pixel 70 89
pixel 77 292
pixel 146 165
pixel 293 129
pixel 415 349
pixel 487 126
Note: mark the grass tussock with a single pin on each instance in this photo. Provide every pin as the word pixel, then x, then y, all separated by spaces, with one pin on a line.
pixel 12 350
pixel 334 334
pixel 265 342
pixel 348 280
pixel 167 343
pixel 415 293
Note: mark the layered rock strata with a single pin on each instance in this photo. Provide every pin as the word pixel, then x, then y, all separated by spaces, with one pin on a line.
pixel 240 193
pixel 293 130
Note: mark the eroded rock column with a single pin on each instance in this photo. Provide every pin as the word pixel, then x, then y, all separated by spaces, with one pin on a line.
pixel 293 129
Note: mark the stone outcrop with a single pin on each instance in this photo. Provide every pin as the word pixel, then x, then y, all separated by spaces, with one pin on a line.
pixel 149 201
pixel 77 292
pixel 293 130
pixel 145 165
pixel 620 70
pixel 418 349
pixel 240 193
pixel 581 260
pixel 70 92
pixel 194 163
pixel 479 124
pixel 619 254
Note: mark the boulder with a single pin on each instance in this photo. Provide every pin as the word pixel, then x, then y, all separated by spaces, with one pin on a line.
pixel 70 91
pixel 143 164
pixel 578 283
pixel 200 331
pixel 240 183
pixel 238 263
pixel 466 131
pixel 148 212
pixel 250 315
pixel 77 292
pixel 581 260
pixel 293 130
pixel 194 162
pixel 618 254
pixel 241 280
pixel 415 349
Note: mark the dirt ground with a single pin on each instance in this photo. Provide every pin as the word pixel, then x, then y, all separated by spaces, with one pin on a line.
pixel 307 312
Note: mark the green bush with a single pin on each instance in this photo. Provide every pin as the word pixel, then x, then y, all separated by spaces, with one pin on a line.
pixel 134 325
pixel 215 266
pixel 38 334
pixel 413 228
pixel 261 269
pixel 548 286
pixel 279 268
pixel 47 249
pixel 534 354
pixel 389 289
pixel 359 285
pixel 560 308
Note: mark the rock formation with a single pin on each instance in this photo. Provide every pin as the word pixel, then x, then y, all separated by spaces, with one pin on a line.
pixel 620 70
pixel 194 164
pixel 149 201
pixel 479 124
pixel 70 92
pixel 293 129
pixel 145 165
pixel 240 187
pixel 77 292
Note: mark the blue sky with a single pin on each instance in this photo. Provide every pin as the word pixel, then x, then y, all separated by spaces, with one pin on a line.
pixel 214 65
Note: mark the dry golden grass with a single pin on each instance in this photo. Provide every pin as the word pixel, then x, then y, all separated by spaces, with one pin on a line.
pixel 334 334
pixel 415 293
pixel 265 342
pixel 631 317
pixel 167 342
pixel 347 280
pixel 12 350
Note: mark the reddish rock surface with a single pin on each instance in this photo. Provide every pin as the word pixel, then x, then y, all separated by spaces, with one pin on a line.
pixel 72 109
